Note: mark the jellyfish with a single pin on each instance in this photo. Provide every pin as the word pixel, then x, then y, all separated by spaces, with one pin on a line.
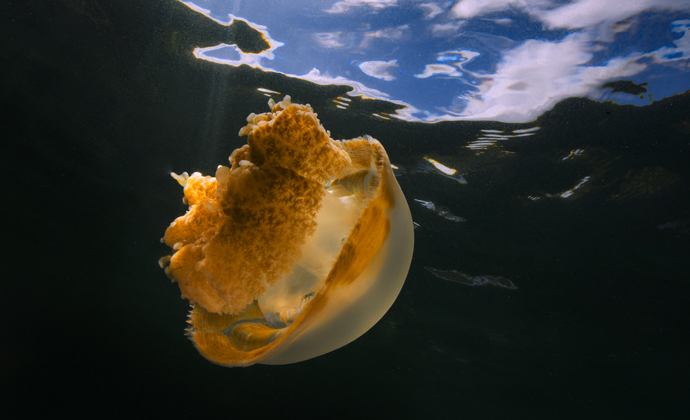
pixel 296 249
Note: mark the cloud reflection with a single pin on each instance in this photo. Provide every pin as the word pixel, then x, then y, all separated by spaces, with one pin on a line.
pixel 502 60
pixel 379 69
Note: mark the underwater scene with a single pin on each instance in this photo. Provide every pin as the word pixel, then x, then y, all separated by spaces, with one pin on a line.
pixel 472 209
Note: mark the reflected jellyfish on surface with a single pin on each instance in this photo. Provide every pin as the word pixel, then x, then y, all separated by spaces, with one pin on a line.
pixel 295 250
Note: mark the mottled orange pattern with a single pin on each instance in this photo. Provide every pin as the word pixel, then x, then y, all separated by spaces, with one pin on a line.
pixel 244 228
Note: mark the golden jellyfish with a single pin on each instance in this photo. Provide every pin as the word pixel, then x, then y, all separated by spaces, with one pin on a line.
pixel 296 249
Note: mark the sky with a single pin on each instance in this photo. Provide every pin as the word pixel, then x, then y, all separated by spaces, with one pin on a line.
pixel 497 60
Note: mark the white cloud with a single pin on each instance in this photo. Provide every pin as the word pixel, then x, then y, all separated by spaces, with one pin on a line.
pixel 574 15
pixel 587 13
pixel 466 9
pixel 379 69
pixel 681 51
pixel 433 69
pixel 344 6
pixel 446 29
pixel 431 9
pixel 329 39
pixel 535 76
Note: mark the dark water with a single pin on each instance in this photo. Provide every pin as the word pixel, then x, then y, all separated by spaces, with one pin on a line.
pixel 101 100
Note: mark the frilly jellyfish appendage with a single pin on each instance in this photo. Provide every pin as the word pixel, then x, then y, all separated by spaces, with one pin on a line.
pixel 295 250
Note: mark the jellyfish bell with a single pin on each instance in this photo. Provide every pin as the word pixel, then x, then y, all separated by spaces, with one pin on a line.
pixel 296 249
